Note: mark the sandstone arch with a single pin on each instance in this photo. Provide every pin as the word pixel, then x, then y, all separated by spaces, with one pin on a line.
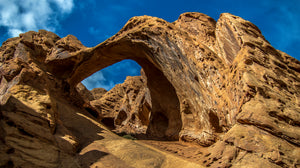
pixel 163 50
pixel 223 81
pixel 165 120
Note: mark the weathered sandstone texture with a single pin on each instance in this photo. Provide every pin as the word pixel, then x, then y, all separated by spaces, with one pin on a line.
pixel 126 108
pixel 216 84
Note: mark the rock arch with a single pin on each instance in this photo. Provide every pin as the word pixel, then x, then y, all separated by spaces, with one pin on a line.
pixel 192 56
pixel 218 78
pixel 163 50
pixel 165 120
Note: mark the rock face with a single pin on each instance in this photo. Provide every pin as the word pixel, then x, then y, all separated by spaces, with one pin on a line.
pixel 98 93
pixel 87 95
pixel 217 84
pixel 126 107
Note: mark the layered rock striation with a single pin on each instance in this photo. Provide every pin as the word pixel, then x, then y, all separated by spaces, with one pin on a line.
pixel 218 84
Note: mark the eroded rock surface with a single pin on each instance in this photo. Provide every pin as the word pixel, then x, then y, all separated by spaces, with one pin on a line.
pixel 217 84
pixel 126 108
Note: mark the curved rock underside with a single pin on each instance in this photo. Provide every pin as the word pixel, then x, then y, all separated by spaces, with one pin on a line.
pixel 216 84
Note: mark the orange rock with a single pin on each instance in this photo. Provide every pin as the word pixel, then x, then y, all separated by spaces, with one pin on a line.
pixel 218 84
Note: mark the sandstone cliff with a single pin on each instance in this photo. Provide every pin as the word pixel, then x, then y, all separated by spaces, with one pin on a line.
pixel 220 85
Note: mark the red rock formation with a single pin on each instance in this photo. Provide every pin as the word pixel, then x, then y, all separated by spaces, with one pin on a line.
pixel 98 92
pixel 217 84
pixel 126 107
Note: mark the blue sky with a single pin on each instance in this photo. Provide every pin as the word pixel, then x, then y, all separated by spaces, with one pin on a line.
pixel 93 21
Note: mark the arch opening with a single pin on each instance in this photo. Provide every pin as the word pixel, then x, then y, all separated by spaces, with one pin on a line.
pixel 108 77
pixel 164 120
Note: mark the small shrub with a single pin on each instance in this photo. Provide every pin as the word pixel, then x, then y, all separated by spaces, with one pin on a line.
pixel 127 136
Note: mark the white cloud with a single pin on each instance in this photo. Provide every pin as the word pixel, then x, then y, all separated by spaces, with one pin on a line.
pixel 97 80
pixel 14 32
pixel 65 5
pixel 19 16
